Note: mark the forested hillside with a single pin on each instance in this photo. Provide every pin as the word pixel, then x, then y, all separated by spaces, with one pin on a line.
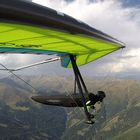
pixel 21 118
pixel 117 119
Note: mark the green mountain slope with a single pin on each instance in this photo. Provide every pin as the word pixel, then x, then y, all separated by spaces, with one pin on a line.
pixel 131 134
pixel 118 119
pixel 21 118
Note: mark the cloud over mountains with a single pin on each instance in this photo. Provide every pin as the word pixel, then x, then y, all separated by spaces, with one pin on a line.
pixel 114 19
pixel 109 16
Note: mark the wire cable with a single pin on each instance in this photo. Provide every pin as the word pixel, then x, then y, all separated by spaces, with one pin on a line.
pixel 34 89
pixel 70 96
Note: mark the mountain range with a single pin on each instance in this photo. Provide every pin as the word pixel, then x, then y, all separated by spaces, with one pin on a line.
pixel 21 118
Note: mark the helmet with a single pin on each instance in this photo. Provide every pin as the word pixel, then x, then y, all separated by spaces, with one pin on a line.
pixel 101 95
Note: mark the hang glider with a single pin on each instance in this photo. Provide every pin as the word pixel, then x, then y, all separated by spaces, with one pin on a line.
pixel 26 27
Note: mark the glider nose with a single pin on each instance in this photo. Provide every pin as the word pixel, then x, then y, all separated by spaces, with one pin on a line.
pixel 39 99
pixel 35 98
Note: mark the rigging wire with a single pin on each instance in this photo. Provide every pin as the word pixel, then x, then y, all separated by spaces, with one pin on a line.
pixel 101 87
pixel 33 88
pixel 20 79
pixel 107 77
pixel 28 66
pixel 7 76
pixel 69 94
pixel 93 128
pixel 108 85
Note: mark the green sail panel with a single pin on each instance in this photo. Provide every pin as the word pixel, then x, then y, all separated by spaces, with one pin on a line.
pixel 26 27
pixel 18 38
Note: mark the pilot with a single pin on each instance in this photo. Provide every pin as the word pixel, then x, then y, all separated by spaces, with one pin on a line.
pixel 93 99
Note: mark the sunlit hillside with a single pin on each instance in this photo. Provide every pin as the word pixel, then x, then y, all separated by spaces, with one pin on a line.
pixel 117 119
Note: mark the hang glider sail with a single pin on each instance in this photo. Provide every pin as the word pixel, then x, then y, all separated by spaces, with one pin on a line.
pixel 26 27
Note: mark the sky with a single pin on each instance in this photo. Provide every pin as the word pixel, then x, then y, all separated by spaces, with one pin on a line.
pixel 118 18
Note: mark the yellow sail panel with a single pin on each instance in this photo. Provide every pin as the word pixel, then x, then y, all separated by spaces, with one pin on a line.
pixel 17 38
